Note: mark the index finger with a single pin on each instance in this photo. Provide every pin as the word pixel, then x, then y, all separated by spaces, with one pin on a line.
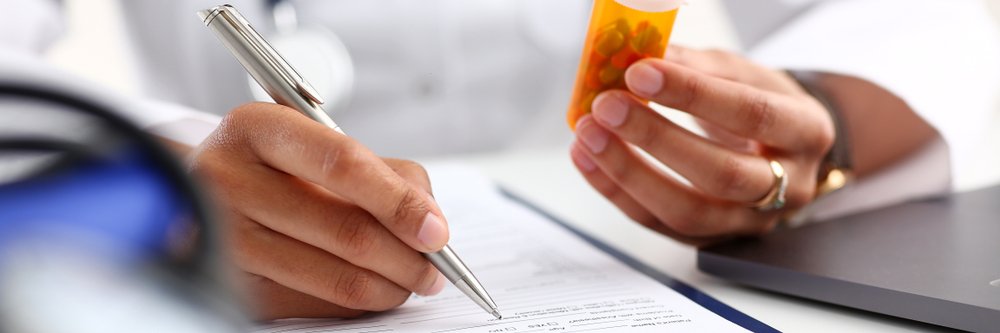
pixel 742 109
pixel 732 67
pixel 288 141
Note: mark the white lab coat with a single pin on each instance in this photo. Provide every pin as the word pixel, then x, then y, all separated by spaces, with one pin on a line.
pixel 447 76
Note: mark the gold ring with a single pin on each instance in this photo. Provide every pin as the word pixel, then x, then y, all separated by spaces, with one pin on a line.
pixel 775 198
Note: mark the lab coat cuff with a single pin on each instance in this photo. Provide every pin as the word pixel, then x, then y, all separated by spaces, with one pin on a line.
pixel 177 123
pixel 898 47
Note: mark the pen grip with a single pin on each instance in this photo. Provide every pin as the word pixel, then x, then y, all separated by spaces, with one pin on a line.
pixel 450 265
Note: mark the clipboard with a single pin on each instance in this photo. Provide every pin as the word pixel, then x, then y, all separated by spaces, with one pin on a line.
pixel 708 302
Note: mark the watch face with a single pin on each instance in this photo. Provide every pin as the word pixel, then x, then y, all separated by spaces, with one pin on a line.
pixel 835 179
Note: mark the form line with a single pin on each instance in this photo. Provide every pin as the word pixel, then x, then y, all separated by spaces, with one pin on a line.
pixel 341 329
pixel 570 293
pixel 600 322
pixel 335 324
pixel 571 300
pixel 431 311
pixel 445 317
pixel 502 322
pixel 602 328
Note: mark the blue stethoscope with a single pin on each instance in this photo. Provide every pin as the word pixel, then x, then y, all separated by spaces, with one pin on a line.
pixel 85 235
pixel 312 49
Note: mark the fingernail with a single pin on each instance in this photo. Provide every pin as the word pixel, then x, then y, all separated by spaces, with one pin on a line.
pixel 581 159
pixel 644 80
pixel 437 287
pixel 592 135
pixel 610 109
pixel 433 234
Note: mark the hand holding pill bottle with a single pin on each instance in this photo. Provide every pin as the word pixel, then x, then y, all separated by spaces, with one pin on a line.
pixel 621 32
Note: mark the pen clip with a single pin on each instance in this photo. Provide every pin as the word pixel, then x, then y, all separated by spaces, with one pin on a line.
pixel 265 51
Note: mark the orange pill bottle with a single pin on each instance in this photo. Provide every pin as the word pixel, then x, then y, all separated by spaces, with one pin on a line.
pixel 621 32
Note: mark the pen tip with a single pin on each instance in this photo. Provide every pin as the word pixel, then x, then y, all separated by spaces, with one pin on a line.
pixel 496 314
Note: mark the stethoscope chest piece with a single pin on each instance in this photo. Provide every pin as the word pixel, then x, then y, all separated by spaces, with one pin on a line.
pixel 315 52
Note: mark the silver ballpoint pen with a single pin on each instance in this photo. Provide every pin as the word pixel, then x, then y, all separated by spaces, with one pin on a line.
pixel 288 88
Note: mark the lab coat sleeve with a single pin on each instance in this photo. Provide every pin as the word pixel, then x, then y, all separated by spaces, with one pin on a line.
pixel 938 56
pixel 29 28
pixel 176 122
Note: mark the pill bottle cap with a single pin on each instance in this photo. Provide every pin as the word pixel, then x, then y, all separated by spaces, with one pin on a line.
pixel 652 6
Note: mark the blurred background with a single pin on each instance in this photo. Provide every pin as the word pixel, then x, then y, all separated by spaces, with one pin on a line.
pixel 94 35
pixel 95 46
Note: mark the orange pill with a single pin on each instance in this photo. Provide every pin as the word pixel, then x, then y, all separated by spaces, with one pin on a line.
pixel 596 59
pixel 587 102
pixel 646 39
pixel 625 57
pixel 594 79
pixel 610 75
pixel 622 26
pixel 609 42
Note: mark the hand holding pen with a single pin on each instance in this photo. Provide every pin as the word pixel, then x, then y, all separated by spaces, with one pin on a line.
pixel 303 210
pixel 322 226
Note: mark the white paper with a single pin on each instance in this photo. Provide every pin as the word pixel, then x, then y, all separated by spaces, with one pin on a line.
pixel 543 278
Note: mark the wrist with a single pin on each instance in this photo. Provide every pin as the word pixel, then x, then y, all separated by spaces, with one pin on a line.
pixel 836 168
pixel 182 150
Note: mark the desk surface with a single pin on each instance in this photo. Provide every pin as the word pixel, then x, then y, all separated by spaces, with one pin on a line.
pixel 548 178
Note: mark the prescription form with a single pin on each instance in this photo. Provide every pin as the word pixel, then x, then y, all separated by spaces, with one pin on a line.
pixel 543 278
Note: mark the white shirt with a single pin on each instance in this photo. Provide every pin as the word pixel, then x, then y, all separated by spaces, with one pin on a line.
pixel 440 76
